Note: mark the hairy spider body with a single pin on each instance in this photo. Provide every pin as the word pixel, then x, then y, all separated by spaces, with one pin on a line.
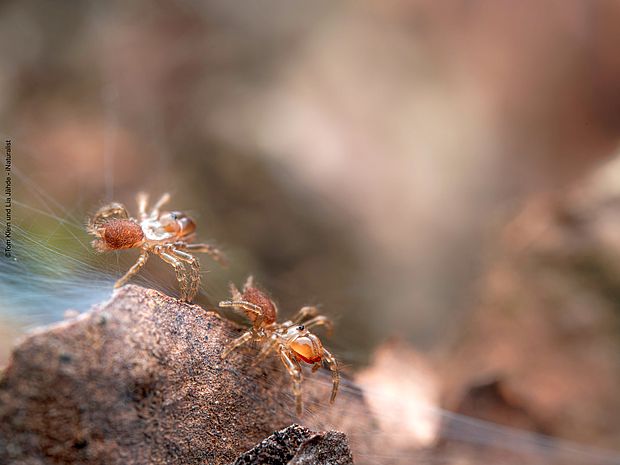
pixel 291 339
pixel 119 234
pixel 166 234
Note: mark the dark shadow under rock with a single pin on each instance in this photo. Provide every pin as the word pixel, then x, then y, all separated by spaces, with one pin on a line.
pixel 140 380
pixel 296 445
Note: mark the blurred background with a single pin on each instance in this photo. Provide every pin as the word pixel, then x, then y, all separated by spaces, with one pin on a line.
pixel 439 172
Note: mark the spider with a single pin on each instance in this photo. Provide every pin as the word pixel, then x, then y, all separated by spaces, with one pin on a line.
pixel 292 339
pixel 166 234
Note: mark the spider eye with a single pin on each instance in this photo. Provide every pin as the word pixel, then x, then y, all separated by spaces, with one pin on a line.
pixel 300 328
pixel 174 216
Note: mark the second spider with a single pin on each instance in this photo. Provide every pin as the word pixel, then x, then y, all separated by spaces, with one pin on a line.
pixel 291 339
pixel 163 233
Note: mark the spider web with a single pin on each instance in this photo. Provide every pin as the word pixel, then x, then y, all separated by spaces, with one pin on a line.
pixel 54 269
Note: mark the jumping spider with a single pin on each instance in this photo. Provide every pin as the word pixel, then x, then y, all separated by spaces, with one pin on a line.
pixel 166 234
pixel 292 339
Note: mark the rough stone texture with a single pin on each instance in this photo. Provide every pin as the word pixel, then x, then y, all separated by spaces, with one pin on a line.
pixel 296 445
pixel 277 449
pixel 139 379
pixel 328 448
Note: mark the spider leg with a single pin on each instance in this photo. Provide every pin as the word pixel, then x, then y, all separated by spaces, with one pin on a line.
pixel 178 267
pixel 113 209
pixel 320 321
pixel 249 283
pixel 144 255
pixel 215 253
pixel 194 266
pixel 305 313
pixel 143 200
pixel 108 211
pixel 333 366
pixel 236 295
pixel 245 337
pixel 160 203
pixel 248 307
pixel 294 370
pixel 268 347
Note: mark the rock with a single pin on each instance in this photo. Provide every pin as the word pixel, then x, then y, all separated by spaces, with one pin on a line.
pixel 139 379
pixel 296 445
pixel 328 448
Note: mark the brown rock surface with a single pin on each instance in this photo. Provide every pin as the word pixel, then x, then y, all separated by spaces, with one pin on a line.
pixel 329 448
pixel 296 445
pixel 139 379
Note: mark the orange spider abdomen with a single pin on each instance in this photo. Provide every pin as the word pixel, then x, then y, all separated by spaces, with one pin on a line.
pixel 307 349
pixel 178 223
pixel 119 234
pixel 187 225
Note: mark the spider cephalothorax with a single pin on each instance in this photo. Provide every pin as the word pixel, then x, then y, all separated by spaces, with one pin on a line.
pixel 291 339
pixel 166 234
